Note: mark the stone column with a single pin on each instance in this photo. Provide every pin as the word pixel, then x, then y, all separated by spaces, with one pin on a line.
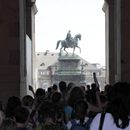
pixel 22 26
pixel 118 40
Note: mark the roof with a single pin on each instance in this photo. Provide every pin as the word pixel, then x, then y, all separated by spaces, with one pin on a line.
pixel 45 59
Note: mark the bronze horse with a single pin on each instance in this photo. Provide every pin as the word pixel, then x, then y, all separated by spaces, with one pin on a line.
pixel 73 43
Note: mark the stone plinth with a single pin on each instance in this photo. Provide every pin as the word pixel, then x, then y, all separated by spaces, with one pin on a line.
pixel 69 70
pixel 69 65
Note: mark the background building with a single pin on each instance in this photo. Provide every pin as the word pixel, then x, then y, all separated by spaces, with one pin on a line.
pixel 47 65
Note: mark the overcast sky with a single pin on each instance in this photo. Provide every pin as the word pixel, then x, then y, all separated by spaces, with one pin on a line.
pixel 56 17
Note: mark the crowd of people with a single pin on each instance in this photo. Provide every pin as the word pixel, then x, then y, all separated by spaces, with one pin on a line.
pixel 69 107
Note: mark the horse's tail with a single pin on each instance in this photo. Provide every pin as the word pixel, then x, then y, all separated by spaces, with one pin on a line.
pixel 58 42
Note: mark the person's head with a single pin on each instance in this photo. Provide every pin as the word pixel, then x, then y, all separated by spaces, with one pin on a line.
pixel 70 86
pixel 49 89
pixel 56 96
pixel 83 88
pixel 75 94
pixel 80 108
pixel 8 124
pixel 54 87
pixel 40 94
pixel 118 103
pixel 27 101
pixel 47 111
pixel 62 86
pixel 12 103
pixel 21 115
pixel 119 90
pixel 93 86
pixel 49 92
pixel 88 87
pixel 107 88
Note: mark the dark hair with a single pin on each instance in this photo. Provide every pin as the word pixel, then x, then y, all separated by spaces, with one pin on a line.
pixel 80 108
pixel 70 85
pixel 75 94
pixel 49 90
pixel 56 96
pixel 27 100
pixel 62 86
pixel 40 92
pixel 40 95
pixel 49 109
pixel 54 87
pixel 88 87
pixel 12 103
pixel 21 114
pixel 93 86
pixel 119 98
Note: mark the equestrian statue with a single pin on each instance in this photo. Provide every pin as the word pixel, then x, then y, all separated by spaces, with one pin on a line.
pixel 69 42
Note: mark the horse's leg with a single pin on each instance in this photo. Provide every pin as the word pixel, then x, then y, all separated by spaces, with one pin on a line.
pixel 79 48
pixel 73 50
pixel 65 51
pixel 60 50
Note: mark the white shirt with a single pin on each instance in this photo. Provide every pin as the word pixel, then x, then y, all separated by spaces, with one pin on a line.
pixel 108 124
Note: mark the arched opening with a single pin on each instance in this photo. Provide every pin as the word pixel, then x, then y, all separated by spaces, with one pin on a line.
pixel 55 18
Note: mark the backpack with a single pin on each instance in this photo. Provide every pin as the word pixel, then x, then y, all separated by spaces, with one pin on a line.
pixel 77 126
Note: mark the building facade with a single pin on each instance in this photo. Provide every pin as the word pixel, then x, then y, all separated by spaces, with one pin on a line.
pixel 47 68
pixel 17 22
pixel 117 21
pixel 17 36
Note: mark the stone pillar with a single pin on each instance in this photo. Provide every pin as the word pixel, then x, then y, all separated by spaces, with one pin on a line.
pixel 125 38
pixel 9 50
pixel 106 10
pixel 110 45
pixel 34 11
pixel 117 40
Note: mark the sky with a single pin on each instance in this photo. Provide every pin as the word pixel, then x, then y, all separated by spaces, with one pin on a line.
pixel 55 17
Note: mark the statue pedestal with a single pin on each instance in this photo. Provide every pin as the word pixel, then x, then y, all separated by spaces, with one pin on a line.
pixel 69 70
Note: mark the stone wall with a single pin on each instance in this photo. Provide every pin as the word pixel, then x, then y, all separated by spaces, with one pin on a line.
pixel 9 49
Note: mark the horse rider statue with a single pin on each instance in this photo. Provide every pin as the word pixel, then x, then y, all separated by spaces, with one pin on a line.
pixel 69 42
pixel 69 39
